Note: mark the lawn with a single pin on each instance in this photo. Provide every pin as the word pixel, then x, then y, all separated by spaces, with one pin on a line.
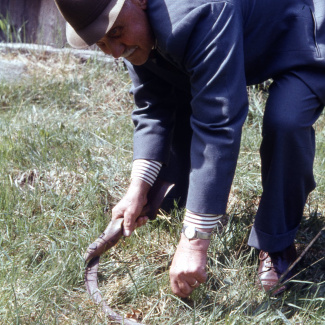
pixel 65 156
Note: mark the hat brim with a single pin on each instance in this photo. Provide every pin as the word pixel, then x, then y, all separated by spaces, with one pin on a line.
pixel 74 39
pixel 91 34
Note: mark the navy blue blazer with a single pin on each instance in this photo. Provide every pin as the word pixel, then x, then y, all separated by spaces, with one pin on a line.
pixel 208 52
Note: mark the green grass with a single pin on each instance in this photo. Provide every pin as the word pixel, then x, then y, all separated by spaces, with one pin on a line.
pixel 8 30
pixel 65 157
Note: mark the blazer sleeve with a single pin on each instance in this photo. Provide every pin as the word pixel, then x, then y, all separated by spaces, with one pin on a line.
pixel 154 115
pixel 214 59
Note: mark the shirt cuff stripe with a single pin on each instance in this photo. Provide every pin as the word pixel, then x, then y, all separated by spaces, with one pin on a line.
pixel 147 170
pixel 201 220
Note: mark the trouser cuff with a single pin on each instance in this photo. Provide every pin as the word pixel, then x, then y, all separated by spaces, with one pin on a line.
pixel 271 243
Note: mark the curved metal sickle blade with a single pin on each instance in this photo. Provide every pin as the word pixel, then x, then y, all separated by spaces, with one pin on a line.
pixel 109 238
pixel 105 241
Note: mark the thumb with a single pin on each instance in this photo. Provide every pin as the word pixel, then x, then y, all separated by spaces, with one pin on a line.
pixel 128 225
pixel 127 232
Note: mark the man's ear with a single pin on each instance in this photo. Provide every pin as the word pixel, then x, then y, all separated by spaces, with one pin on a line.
pixel 141 3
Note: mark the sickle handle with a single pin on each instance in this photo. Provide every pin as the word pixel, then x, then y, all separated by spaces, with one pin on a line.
pixel 155 197
pixel 106 240
pixel 114 230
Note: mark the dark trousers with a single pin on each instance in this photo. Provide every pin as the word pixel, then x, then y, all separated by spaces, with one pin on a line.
pixel 287 156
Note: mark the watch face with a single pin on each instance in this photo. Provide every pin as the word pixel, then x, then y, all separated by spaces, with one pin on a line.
pixel 189 232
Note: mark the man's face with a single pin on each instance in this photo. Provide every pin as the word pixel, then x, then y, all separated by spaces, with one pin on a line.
pixel 131 36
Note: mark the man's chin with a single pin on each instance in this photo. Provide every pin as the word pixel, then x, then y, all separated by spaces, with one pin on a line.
pixel 137 60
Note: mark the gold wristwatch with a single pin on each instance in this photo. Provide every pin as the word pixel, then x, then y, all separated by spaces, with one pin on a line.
pixel 191 232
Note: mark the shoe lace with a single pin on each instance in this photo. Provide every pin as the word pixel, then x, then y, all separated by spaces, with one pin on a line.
pixel 269 261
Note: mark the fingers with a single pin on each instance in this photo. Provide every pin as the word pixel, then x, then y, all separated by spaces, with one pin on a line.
pixel 181 289
pixel 129 216
pixel 187 271
pixel 129 225
pixel 184 286
pixel 130 206
pixel 183 281
pixel 141 221
pixel 129 211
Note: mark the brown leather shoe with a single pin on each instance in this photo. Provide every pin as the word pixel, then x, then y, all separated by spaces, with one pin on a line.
pixel 272 266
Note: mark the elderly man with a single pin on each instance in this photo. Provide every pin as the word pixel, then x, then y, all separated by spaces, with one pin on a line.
pixel 190 63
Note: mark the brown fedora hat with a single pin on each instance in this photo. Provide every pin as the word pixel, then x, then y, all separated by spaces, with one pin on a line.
pixel 88 20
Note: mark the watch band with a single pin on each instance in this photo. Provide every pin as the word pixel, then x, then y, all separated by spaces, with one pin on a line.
pixel 191 232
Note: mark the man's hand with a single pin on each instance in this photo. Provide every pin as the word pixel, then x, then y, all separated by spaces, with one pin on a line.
pixel 131 206
pixel 188 267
